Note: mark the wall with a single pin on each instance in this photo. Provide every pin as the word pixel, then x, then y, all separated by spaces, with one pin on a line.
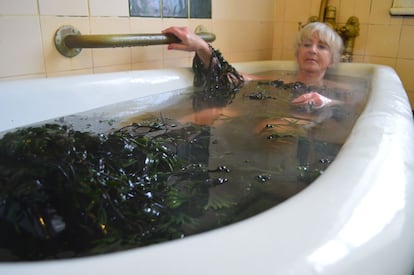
pixel 27 29
pixel 247 31
pixel 383 39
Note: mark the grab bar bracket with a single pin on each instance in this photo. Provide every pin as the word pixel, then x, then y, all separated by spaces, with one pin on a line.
pixel 60 35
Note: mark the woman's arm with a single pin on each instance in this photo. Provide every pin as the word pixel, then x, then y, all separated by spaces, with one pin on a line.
pixel 212 73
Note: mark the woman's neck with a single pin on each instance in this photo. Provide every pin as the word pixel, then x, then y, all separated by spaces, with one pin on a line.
pixel 310 79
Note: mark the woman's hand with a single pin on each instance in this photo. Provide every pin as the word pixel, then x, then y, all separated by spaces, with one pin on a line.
pixel 312 99
pixel 189 42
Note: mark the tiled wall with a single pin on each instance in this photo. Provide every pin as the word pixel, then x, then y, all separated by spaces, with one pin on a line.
pixel 245 29
pixel 27 29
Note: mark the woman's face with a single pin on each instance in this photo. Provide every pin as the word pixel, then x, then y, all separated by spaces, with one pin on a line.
pixel 314 56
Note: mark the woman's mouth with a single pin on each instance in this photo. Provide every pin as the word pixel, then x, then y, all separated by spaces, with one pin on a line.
pixel 311 60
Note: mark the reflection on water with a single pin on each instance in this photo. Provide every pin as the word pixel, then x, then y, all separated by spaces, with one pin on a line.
pixel 245 157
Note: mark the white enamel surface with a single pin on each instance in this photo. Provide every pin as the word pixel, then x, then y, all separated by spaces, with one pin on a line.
pixel 28 101
pixel 357 218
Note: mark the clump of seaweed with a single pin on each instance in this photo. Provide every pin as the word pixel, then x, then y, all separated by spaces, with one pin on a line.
pixel 66 193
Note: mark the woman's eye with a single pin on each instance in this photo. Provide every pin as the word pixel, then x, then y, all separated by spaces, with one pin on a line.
pixel 322 46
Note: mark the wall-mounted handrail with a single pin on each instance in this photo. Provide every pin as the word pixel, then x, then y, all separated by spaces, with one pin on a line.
pixel 69 41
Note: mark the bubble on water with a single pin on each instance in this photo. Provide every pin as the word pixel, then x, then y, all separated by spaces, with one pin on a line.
pixel 263 178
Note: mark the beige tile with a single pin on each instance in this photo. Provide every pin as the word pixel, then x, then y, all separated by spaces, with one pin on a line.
pixel 408 20
pixel 146 54
pixel 109 7
pixel 404 68
pixel 287 55
pixel 22 54
pixel 276 54
pixel 387 61
pixel 277 39
pixel 406 43
pixel 380 13
pixel 22 7
pixel 280 10
pixel 251 56
pixel 290 32
pixel 239 36
pixel 171 55
pixel 298 11
pixel 110 56
pixel 223 31
pixel 149 65
pixel 358 58
pixel 239 57
pixel 146 26
pixel 71 72
pixel 250 36
pixel 260 35
pixel 262 11
pixel 265 55
pixel 248 10
pixel 383 40
pixel 243 10
pixel 112 68
pixel 220 9
pixel 178 62
pixel 64 7
pixel 167 22
pixel 55 62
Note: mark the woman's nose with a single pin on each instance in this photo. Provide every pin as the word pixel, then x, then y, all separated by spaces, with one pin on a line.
pixel 313 48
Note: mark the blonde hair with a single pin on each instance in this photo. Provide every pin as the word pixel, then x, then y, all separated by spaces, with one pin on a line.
pixel 326 35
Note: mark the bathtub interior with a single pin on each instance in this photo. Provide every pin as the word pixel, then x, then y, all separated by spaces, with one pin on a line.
pixel 60 96
pixel 343 223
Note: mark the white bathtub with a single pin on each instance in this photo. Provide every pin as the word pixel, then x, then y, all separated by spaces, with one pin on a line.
pixel 357 218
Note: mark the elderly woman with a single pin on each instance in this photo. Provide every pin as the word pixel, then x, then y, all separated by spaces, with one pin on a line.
pixel 318 48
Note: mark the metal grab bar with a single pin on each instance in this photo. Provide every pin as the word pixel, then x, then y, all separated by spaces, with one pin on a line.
pixel 69 41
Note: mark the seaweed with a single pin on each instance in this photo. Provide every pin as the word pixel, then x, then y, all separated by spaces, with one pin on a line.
pixel 66 193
